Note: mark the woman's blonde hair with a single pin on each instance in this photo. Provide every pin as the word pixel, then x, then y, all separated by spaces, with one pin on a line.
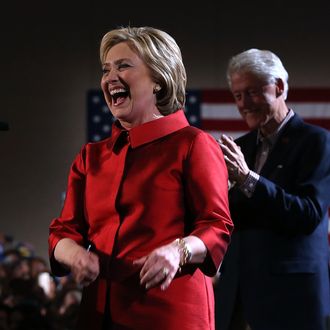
pixel 161 55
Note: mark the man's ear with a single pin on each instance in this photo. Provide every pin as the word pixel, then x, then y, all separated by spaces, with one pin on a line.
pixel 279 87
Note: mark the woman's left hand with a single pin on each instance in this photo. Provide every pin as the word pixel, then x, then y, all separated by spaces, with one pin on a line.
pixel 238 169
pixel 160 266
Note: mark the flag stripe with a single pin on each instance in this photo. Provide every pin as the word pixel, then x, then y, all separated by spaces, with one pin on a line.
pixel 325 123
pixel 314 95
pixel 229 110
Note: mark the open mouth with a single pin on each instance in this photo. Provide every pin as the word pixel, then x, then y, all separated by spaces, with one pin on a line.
pixel 119 95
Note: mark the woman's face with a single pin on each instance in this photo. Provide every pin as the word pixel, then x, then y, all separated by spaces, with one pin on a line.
pixel 128 87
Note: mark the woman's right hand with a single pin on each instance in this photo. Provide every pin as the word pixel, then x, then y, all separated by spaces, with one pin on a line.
pixel 84 265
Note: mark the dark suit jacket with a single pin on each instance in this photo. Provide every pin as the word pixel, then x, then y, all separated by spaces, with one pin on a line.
pixel 279 254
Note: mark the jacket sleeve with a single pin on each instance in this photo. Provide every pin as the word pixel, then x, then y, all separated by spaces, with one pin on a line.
pixel 296 199
pixel 71 222
pixel 206 191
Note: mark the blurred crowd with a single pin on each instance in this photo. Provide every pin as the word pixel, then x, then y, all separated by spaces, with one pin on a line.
pixel 30 296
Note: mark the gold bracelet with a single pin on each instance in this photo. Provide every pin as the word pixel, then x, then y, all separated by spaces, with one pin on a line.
pixel 184 251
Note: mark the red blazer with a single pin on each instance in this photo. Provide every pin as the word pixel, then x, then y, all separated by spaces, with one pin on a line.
pixel 132 193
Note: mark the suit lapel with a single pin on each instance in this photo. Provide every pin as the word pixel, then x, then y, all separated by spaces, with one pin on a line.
pixel 282 147
pixel 248 144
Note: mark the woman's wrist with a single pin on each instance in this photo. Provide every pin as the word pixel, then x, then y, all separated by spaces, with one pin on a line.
pixel 184 251
pixel 65 251
pixel 192 250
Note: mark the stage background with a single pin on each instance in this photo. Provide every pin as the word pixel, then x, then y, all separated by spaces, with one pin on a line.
pixel 49 61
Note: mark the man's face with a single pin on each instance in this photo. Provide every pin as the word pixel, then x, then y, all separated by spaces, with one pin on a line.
pixel 255 99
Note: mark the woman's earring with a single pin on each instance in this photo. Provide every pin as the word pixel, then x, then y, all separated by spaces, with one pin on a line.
pixel 157 88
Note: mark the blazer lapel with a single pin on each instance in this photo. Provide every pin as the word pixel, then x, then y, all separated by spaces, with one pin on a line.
pixel 283 145
pixel 248 144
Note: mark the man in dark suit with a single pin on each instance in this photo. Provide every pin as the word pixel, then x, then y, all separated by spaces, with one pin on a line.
pixel 275 275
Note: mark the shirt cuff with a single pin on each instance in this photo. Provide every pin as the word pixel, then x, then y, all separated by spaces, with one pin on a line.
pixel 249 185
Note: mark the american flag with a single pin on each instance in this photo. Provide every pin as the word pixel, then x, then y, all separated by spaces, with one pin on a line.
pixel 214 111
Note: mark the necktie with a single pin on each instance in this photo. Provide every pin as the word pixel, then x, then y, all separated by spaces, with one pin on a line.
pixel 262 154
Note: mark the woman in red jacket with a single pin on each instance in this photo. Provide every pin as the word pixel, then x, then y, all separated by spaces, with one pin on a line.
pixel 146 219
